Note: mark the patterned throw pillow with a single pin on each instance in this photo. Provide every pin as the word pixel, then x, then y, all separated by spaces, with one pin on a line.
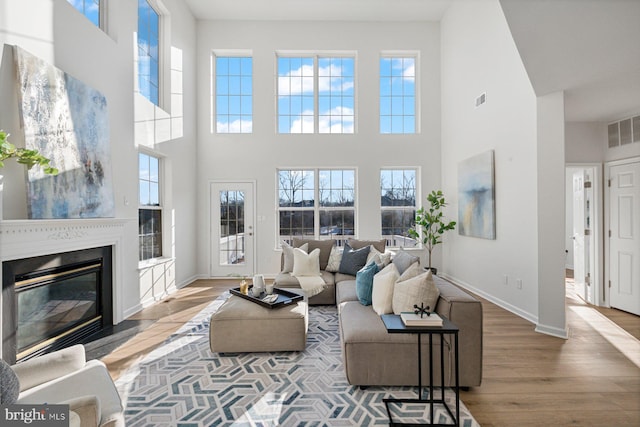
pixel 334 259
pixel 382 259
pixel 353 259
pixel 417 290
pixel 364 283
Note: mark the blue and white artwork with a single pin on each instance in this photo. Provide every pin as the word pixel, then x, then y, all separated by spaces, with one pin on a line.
pixel 476 197
pixel 67 121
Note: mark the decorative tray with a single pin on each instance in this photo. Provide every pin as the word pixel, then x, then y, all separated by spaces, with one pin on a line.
pixel 284 297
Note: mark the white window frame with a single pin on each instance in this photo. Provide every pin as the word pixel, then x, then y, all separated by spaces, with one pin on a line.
pixel 316 209
pixel 160 207
pixel 164 55
pixel 402 54
pixel 409 241
pixel 316 55
pixel 102 13
pixel 235 53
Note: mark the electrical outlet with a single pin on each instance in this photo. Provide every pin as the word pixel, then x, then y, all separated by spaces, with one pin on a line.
pixel 505 280
pixel 519 283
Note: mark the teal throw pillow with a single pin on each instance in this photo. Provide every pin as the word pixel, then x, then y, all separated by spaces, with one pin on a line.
pixel 364 283
pixel 353 259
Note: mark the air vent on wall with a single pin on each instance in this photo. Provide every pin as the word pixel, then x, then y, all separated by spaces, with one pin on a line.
pixel 624 132
pixel 481 99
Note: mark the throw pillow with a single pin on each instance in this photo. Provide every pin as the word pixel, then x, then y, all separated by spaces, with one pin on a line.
pixel 413 271
pixel 353 259
pixel 382 293
pixel 403 260
pixel 287 255
pixel 333 265
pixel 324 246
pixel 382 259
pixel 380 245
pixel 9 384
pixel 306 264
pixel 417 290
pixel 364 283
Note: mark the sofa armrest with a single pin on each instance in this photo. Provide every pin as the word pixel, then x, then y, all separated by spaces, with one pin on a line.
pixel 50 366
pixel 87 408
pixel 465 311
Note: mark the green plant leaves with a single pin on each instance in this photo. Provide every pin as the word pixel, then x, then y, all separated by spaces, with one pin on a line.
pixel 24 156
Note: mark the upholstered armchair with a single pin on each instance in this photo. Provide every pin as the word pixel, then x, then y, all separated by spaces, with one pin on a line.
pixel 66 377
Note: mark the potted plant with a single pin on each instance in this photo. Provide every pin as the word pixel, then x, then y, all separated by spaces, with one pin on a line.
pixel 430 224
pixel 29 158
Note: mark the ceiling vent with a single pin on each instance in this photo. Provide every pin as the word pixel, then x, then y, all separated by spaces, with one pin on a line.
pixel 624 132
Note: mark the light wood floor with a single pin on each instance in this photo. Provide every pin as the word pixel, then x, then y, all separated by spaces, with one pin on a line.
pixel 529 379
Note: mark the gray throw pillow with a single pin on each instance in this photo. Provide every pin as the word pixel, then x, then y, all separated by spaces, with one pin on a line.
pixel 353 259
pixel 403 260
pixel 9 384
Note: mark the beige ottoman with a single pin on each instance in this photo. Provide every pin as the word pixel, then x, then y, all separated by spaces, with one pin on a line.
pixel 244 326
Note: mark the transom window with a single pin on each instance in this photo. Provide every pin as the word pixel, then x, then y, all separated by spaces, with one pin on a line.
pixel 398 205
pixel 316 94
pixel 234 94
pixel 316 202
pixel 89 8
pixel 148 52
pixel 398 94
pixel 150 209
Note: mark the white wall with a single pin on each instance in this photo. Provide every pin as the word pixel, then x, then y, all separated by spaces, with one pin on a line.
pixel 63 37
pixel 585 142
pixel 479 55
pixel 256 156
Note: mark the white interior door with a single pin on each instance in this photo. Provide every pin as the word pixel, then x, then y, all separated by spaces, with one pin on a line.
pixel 232 229
pixel 624 242
pixel 579 254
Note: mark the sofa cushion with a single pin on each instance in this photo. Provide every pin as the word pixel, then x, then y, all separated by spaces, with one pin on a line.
pixel 382 293
pixel 306 264
pixel 364 282
pixel 353 259
pixel 333 265
pixel 346 291
pixel 380 245
pixel 417 290
pixel 324 246
pixel 286 280
pixel 403 260
pixel 287 255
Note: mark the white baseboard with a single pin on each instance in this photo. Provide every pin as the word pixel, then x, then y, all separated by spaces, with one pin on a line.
pixel 553 331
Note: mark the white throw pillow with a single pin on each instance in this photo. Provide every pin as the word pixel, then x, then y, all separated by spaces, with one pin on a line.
pixel 382 294
pixel 382 259
pixel 413 271
pixel 305 264
pixel 333 265
pixel 417 290
pixel 287 251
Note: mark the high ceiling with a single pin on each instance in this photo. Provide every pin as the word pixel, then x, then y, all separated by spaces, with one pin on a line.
pixel 588 48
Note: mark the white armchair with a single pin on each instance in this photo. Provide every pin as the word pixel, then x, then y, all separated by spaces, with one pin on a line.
pixel 66 377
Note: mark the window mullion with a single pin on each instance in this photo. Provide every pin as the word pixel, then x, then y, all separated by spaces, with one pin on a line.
pixel 316 98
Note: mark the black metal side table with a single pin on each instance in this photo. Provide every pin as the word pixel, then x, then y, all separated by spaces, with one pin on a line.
pixel 394 325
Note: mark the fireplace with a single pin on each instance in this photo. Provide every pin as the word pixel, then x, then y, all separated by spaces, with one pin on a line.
pixel 54 301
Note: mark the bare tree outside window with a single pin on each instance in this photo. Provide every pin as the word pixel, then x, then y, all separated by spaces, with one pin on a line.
pixel 398 205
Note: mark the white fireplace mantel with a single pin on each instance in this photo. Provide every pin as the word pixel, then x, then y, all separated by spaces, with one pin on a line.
pixel 30 238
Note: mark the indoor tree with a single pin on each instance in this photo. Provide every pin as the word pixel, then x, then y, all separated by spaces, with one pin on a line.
pixel 24 156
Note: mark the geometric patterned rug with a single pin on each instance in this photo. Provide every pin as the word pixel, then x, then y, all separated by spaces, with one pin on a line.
pixel 182 383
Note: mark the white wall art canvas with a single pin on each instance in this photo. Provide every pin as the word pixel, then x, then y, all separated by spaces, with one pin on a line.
pixel 67 121
pixel 476 196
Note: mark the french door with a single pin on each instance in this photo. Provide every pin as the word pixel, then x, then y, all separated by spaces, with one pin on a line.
pixel 232 229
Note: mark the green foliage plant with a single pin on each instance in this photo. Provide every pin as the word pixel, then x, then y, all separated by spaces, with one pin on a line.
pixel 29 158
pixel 430 223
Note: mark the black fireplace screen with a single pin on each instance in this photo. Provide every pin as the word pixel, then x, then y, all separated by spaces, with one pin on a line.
pixel 56 304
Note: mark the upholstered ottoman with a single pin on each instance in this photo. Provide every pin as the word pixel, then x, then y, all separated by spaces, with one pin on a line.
pixel 240 325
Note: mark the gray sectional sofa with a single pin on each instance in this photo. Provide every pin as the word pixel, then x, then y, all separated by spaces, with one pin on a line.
pixel 374 357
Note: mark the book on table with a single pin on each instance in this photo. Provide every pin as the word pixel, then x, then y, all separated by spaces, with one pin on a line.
pixel 410 318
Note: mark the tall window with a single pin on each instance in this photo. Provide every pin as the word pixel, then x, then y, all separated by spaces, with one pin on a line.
pixel 148 51
pixel 316 94
pixel 398 95
pixel 234 94
pixel 89 8
pixel 316 202
pixel 398 205
pixel 150 209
